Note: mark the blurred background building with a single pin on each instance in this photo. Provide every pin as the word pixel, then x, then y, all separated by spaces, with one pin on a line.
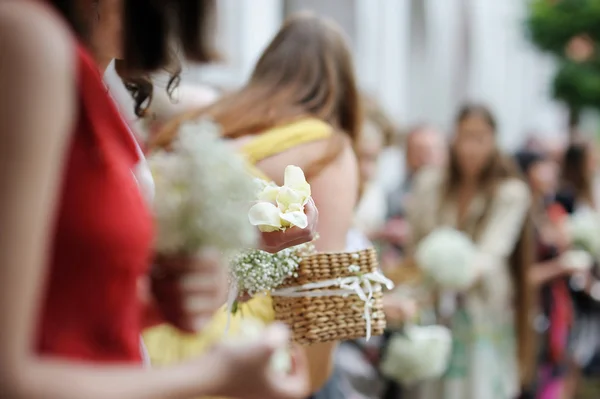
pixel 420 58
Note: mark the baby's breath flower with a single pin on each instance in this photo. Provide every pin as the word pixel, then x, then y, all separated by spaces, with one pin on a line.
pixel 257 271
pixel 203 191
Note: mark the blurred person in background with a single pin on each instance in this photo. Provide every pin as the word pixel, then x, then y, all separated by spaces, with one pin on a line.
pixel 576 194
pixel 377 134
pixel 479 193
pixel 554 317
pixel 80 237
pixel 164 105
pixel 300 107
pixel 424 147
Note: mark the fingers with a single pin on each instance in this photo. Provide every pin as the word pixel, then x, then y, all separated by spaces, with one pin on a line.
pixel 191 290
pixel 312 213
pixel 277 336
pixel 278 240
pixel 294 385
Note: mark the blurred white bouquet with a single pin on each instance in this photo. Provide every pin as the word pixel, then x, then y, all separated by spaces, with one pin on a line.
pixel 419 353
pixel 584 230
pixel 577 259
pixel 203 192
pixel 447 257
pixel 251 329
pixel 279 208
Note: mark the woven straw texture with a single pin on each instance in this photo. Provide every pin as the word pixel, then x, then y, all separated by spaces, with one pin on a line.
pixel 330 318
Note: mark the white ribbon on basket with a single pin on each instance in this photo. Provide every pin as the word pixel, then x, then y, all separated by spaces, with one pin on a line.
pixel 360 285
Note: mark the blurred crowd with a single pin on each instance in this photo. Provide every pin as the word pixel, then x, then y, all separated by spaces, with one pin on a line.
pixel 92 309
pixel 562 178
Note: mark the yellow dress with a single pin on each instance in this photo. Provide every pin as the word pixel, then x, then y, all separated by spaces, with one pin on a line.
pixel 167 345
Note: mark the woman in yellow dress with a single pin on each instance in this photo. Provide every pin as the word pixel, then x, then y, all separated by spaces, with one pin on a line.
pixel 301 107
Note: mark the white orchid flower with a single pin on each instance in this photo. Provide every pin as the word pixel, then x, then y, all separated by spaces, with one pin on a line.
pixel 266 216
pixel 294 178
pixel 268 191
pixel 280 208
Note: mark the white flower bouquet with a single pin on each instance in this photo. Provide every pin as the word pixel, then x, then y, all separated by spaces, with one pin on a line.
pixel 203 192
pixel 447 257
pixel 277 208
pixel 577 259
pixel 584 230
pixel 418 354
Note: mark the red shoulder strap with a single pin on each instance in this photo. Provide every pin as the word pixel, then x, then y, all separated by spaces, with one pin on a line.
pixel 97 105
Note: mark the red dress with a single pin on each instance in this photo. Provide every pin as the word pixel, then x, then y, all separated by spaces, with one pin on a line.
pixel 102 238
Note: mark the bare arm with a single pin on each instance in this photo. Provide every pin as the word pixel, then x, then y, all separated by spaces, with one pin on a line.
pixel 335 192
pixel 543 272
pixel 37 110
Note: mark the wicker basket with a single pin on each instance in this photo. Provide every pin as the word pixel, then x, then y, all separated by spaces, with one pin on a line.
pixel 330 318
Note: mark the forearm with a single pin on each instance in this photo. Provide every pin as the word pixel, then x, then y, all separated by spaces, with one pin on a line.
pixel 320 363
pixel 54 379
pixel 543 272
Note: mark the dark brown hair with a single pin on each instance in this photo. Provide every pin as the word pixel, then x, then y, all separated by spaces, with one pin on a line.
pixel 575 174
pixel 306 71
pixel 151 28
pixel 498 169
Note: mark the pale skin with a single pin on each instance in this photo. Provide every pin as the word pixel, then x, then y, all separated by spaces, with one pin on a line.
pixel 37 114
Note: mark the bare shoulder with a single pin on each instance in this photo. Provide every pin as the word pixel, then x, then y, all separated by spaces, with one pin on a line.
pixel 29 30
pixel 37 71
pixel 307 154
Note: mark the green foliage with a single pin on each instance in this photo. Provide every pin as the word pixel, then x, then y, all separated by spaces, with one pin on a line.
pixel 552 24
pixel 578 85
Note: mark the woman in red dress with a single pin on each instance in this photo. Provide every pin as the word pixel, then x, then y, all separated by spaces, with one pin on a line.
pixel 77 235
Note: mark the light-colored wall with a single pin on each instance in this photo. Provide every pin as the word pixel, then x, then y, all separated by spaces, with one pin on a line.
pixel 420 58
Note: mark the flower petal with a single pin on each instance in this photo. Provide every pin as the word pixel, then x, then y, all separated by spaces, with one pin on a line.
pixel 267 191
pixel 298 219
pixel 289 198
pixel 294 178
pixel 266 216
pixel 269 194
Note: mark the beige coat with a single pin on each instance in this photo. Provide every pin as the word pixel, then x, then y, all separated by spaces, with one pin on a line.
pixel 485 364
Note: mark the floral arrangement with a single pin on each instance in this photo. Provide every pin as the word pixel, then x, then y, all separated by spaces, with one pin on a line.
pixel 276 209
pixel 419 353
pixel 279 208
pixel 584 230
pixel 447 257
pixel 577 259
pixel 257 272
pixel 251 329
pixel 193 206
